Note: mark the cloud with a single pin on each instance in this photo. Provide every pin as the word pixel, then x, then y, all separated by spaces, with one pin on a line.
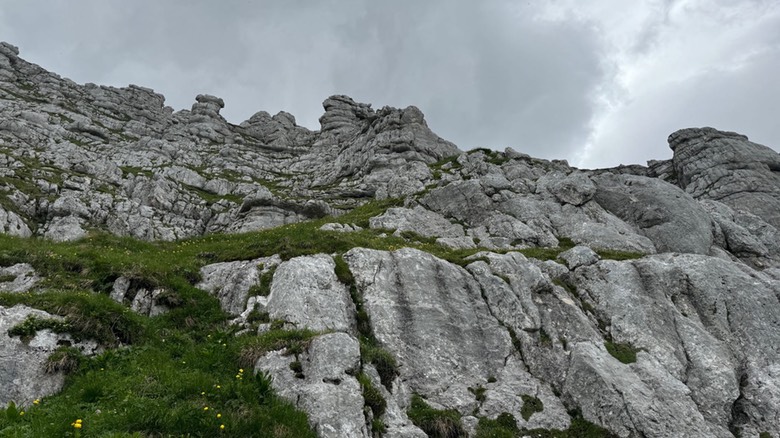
pixel 691 63
pixel 599 84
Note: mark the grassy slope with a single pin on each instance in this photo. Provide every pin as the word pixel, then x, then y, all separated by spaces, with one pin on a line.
pixel 177 372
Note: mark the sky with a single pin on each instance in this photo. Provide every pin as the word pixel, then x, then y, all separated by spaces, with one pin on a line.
pixel 598 83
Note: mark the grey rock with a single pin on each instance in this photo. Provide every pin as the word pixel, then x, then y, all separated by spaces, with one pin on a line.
pixel 231 282
pixel 65 229
pixel 701 321
pixel 726 167
pixel 341 228
pixel 23 375
pixel 505 395
pixel 614 396
pixel 464 242
pixel 672 219
pixel 462 200
pixel 119 289
pixel 12 224
pixel 24 275
pixel 578 256
pixel 328 392
pixel 306 293
pixel 575 188
pixel 418 220
pixel 744 234
pixel 430 315
pixel 145 302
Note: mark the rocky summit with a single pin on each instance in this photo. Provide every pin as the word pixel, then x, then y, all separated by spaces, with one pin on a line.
pixel 372 278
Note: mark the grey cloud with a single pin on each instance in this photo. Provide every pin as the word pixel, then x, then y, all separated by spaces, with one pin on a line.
pixel 740 100
pixel 485 73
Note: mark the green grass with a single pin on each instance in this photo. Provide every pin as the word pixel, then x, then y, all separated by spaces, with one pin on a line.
pixel 263 286
pixel 504 426
pixel 372 396
pixel 87 316
pixel 531 405
pixel 436 423
pixel 625 353
pixel 30 326
pixel 171 369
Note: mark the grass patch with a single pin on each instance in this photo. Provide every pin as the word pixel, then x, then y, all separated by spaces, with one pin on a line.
pixel 504 426
pixel 179 386
pixel 479 393
pixel 625 353
pixel 372 396
pixel 7 278
pixel 436 423
pixel 293 342
pixel 531 405
pixel 87 316
pixel 30 326
pixel 64 359
pixel 451 160
pixel 610 254
pixel 263 286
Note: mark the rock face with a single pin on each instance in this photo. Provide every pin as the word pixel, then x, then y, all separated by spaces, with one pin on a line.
pixel 645 298
pixel 23 374
pixel 726 167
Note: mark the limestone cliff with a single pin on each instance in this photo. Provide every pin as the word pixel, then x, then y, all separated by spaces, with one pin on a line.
pixel 643 300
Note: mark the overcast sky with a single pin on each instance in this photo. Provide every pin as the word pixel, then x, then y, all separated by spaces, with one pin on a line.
pixel 598 85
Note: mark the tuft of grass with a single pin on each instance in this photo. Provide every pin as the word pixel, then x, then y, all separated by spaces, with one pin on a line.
pixel 611 254
pixel 263 286
pixel 7 278
pixel 625 353
pixel 544 339
pixel 27 329
pixel 372 396
pixel 504 426
pixel 436 423
pixel 87 316
pixel 63 359
pixel 385 363
pixel 479 393
pixel 294 342
pixel 297 368
pixel 531 405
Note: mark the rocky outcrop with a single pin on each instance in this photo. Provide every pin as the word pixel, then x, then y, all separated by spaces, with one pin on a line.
pixel 24 375
pixel 726 167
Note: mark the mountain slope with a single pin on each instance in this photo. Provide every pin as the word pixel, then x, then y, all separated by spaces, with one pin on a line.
pixel 375 276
